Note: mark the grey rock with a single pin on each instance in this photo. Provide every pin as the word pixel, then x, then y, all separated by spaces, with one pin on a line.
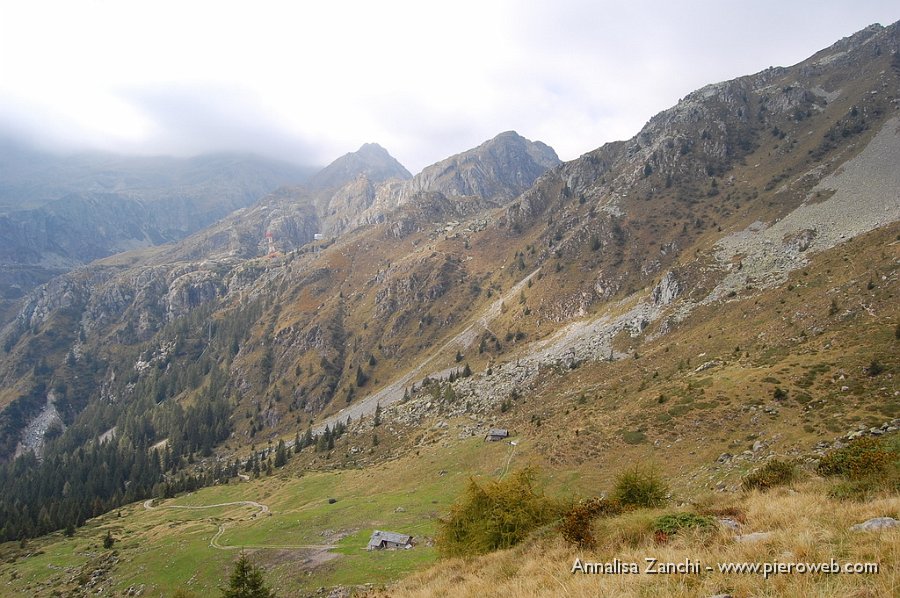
pixel 730 523
pixel 875 524
pixel 667 290
pixel 708 365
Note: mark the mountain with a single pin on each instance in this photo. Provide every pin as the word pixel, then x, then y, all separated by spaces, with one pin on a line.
pixel 714 293
pixel 500 168
pixel 484 177
pixel 294 215
pixel 58 212
pixel 371 161
pixel 367 187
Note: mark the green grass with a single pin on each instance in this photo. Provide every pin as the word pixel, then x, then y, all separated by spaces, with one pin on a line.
pixel 167 549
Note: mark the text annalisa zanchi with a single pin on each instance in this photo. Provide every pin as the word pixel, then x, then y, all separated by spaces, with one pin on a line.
pixel 654 566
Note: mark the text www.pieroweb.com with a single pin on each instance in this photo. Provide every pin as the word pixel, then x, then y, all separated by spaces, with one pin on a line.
pixel 653 566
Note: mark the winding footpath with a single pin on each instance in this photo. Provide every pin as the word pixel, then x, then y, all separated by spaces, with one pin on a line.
pixel 214 541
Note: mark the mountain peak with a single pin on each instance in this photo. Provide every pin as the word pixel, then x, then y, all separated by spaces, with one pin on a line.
pixel 499 169
pixel 370 160
pixel 372 146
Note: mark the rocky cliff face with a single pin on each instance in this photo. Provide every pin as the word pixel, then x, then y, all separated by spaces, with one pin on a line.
pixel 489 175
pixel 499 169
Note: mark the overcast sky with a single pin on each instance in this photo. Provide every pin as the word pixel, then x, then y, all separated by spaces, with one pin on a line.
pixel 310 81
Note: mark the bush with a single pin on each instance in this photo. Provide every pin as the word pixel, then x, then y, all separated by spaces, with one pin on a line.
pixel 674 522
pixel 774 473
pixel 640 487
pixel 875 368
pixel 494 515
pixel 576 526
pixel 634 437
pixel 861 458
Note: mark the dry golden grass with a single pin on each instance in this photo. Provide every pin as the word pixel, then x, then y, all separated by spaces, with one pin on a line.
pixel 805 526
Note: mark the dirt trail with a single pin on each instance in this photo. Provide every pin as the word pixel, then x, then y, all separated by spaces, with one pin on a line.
pixel 214 541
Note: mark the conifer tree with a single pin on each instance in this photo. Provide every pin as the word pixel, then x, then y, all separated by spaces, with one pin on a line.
pixel 246 581
pixel 361 377
pixel 281 454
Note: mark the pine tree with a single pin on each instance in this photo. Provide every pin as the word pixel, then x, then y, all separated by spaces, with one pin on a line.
pixel 361 377
pixel 449 394
pixel 377 421
pixel 323 440
pixel 246 581
pixel 281 454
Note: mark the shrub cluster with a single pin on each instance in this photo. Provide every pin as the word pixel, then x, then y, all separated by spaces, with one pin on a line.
pixel 577 522
pixel 495 515
pixel 865 467
pixel 640 487
pixel 774 473
pixel 861 458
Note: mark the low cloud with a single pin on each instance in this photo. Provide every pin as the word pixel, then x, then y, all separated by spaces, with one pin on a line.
pixel 310 82
pixel 194 120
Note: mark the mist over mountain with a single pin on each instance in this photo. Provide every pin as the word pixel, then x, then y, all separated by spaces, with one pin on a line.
pixel 60 211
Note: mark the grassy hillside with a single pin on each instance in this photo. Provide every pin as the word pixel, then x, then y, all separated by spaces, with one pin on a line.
pixel 544 566
pixel 302 539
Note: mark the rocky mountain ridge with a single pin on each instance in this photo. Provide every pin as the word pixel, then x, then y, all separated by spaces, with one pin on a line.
pixel 369 187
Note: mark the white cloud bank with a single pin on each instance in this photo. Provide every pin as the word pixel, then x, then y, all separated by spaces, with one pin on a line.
pixel 307 81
